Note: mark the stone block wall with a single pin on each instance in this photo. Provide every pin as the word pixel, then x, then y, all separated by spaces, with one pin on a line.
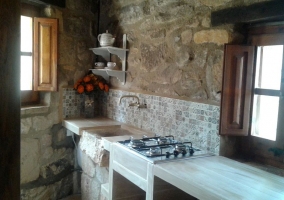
pixel 95 164
pixel 173 50
pixel 47 155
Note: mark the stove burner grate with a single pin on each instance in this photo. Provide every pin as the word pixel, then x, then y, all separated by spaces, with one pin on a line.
pixel 160 146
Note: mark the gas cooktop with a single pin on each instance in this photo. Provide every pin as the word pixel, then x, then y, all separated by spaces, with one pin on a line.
pixel 163 148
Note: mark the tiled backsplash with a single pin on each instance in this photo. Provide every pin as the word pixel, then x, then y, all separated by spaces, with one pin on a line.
pixel 74 104
pixel 186 120
pixel 71 103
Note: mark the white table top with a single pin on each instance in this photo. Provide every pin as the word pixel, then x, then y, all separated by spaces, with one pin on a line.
pixel 218 177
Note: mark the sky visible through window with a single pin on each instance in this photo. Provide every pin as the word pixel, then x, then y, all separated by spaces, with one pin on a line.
pixel 268 76
pixel 26 52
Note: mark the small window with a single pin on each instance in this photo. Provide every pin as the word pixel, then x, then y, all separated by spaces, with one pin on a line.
pixel 26 53
pixel 38 54
pixel 28 96
pixel 267 91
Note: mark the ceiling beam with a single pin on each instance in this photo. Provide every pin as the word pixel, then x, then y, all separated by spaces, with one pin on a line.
pixel 259 12
pixel 59 3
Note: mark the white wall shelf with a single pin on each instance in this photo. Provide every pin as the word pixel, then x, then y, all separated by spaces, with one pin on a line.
pixel 106 52
pixel 106 73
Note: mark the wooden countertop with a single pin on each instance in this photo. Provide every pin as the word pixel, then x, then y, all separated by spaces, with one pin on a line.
pixel 78 125
pixel 217 177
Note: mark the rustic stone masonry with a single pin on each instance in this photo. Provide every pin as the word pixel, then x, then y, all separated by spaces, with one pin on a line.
pixel 47 154
pixel 173 50
pixel 95 163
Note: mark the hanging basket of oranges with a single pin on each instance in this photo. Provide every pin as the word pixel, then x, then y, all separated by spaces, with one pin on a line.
pixel 90 83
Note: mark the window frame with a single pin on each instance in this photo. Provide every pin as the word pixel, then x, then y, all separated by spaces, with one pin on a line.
pixel 45 42
pixel 29 97
pixel 265 35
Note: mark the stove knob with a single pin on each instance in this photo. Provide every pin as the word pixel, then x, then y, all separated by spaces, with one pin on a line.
pixel 191 151
pixel 183 152
pixel 176 153
pixel 168 154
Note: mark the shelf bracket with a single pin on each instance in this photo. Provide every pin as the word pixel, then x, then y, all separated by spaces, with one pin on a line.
pixel 104 53
pixel 120 75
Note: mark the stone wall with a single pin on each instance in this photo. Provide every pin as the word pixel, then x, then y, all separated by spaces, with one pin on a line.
pixel 47 155
pixel 95 164
pixel 173 50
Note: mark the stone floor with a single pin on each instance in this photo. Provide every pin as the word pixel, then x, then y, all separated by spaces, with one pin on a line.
pixel 73 197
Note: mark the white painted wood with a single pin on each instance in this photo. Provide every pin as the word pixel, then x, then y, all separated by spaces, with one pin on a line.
pixel 120 185
pixel 217 177
pixel 150 182
pixel 106 52
pixel 130 175
pixel 124 53
pixel 110 191
pixel 129 161
pixel 105 190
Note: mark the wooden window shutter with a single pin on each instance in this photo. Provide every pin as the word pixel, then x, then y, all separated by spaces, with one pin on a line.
pixel 237 90
pixel 45 54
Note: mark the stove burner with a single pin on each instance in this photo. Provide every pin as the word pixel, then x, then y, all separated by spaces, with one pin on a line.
pixel 165 147
pixel 136 143
pixel 154 151
pixel 165 140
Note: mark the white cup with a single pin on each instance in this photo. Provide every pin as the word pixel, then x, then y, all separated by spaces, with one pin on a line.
pixel 111 65
pixel 99 64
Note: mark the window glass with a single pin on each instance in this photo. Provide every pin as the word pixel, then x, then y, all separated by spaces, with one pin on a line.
pixel 26 53
pixel 26 73
pixel 268 81
pixel 269 65
pixel 265 116
pixel 26 34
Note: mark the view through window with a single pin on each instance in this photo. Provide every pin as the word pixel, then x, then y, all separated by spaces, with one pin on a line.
pixel 267 92
pixel 26 53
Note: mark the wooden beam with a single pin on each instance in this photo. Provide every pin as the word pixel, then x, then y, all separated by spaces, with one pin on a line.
pixel 259 12
pixel 59 3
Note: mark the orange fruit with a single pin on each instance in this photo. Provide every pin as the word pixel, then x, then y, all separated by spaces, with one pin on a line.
pixel 79 81
pixel 86 79
pixel 80 89
pixel 89 87
pixel 106 88
pixel 101 85
pixel 76 85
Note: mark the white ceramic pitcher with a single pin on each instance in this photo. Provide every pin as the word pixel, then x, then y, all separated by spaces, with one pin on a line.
pixel 106 39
